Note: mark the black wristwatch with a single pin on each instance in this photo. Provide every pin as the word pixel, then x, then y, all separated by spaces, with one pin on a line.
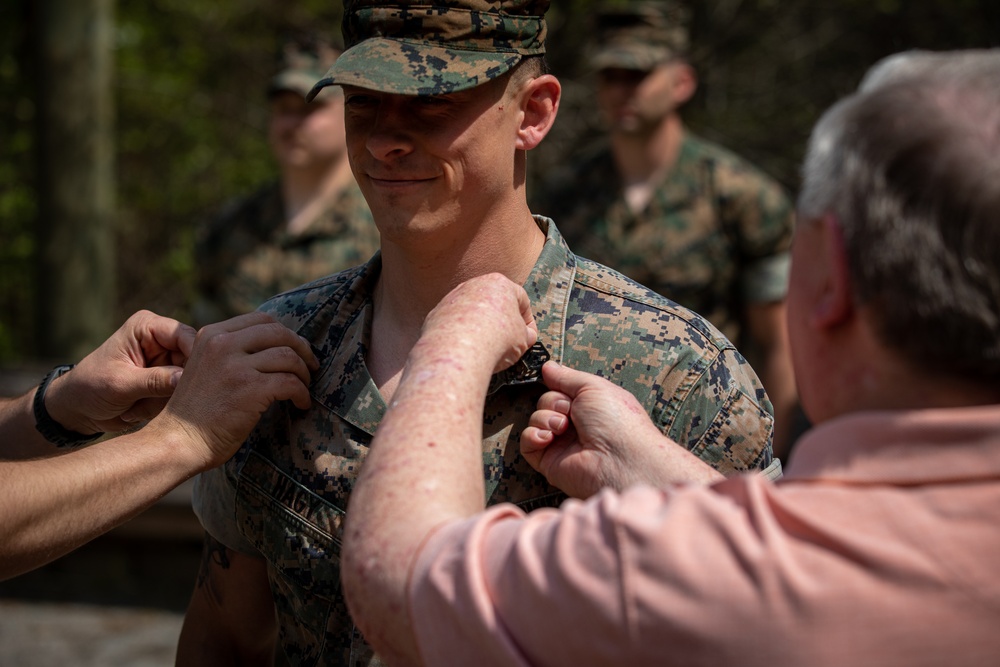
pixel 50 429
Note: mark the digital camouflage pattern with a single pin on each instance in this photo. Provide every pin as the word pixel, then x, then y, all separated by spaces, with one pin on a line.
pixel 246 256
pixel 639 35
pixel 714 237
pixel 292 478
pixel 422 47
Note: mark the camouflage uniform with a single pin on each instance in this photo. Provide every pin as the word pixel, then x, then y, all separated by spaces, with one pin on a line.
pixel 284 494
pixel 714 237
pixel 246 256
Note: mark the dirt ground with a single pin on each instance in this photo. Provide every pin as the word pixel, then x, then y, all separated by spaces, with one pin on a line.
pixel 34 634
pixel 116 602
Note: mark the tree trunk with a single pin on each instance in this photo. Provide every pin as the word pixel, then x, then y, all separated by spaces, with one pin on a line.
pixel 76 288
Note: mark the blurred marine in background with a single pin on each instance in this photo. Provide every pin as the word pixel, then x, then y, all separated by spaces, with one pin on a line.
pixel 682 216
pixel 311 222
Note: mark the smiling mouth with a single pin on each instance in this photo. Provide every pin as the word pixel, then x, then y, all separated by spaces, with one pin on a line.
pixel 398 181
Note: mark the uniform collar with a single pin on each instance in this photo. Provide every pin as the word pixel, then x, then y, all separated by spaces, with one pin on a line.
pixel 549 286
pixel 344 384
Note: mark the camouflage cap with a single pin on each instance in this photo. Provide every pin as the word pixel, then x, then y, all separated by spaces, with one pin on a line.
pixel 431 47
pixel 300 64
pixel 640 35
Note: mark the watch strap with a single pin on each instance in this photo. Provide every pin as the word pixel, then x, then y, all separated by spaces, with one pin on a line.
pixel 50 429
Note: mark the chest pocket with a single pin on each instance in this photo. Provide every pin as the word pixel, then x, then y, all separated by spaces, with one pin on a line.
pixel 299 533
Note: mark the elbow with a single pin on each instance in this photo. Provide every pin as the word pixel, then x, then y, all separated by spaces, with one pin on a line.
pixel 374 572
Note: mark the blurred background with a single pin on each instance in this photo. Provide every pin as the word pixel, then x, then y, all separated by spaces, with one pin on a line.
pixel 133 121
pixel 124 125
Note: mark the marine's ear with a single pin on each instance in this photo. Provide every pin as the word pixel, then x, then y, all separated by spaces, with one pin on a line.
pixel 684 82
pixel 539 100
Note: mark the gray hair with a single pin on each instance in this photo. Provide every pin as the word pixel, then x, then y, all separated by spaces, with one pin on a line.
pixel 910 167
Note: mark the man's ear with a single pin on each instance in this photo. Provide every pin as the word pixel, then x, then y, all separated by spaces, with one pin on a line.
pixel 835 304
pixel 685 82
pixel 539 105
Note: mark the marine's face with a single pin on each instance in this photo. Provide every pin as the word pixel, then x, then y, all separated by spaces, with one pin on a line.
pixel 305 135
pixel 424 162
pixel 634 101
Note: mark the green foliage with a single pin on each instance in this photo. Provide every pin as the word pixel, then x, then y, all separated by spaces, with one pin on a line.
pixel 191 112
pixel 192 122
pixel 18 200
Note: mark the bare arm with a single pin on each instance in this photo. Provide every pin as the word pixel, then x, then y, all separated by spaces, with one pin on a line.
pixel 767 329
pixel 48 507
pixel 236 370
pixel 230 618
pixel 588 434
pixel 17 423
pixel 425 464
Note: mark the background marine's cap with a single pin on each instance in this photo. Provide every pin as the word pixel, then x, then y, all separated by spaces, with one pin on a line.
pixel 431 47
pixel 301 62
pixel 640 35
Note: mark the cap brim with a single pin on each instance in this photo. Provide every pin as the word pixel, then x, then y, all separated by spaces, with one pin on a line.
pixel 408 68
pixel 291 80
pixel 623 57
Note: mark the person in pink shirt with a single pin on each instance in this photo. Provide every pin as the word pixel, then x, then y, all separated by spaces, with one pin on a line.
pixel 878 547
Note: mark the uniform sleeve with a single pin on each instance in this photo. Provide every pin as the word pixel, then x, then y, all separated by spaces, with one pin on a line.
pixel 214 503
pixel 758 210
pixel 766 280
pixel 638 578
pixel 723 416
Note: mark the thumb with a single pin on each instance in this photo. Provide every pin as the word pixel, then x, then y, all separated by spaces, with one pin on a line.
pixel 185 339
pixel 567 380
pixel 160 381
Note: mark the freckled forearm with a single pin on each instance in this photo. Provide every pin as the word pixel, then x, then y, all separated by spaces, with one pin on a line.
pixel 428 449
pixel 423 469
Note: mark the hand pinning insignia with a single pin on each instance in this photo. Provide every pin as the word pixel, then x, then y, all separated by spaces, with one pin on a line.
pixel 525 370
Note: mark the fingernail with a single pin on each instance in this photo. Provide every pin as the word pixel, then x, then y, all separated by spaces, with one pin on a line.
pixel 557 422
pixel 175 378
pixel 562 406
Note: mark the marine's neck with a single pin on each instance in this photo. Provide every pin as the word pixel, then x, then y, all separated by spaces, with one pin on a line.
pixel 417 274
pixel 643 159
pixel 307 193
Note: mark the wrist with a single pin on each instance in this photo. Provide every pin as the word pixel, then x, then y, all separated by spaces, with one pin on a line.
pixel 183 444
pixel 447 355
pixel 53 417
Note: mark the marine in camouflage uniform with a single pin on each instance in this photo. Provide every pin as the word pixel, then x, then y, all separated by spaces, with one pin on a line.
pixel 686 218
pixel 247 255
pixel 715 232
pixel 256 248
pixel 284 495
pixel 714 236
pixel 278 506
